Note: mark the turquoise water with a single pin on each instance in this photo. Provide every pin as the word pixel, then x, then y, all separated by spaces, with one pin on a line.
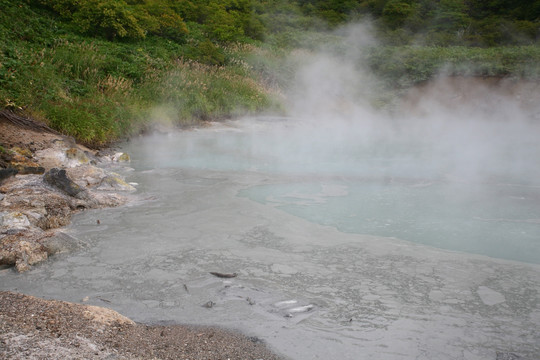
pixel 479 195
pixel 501 221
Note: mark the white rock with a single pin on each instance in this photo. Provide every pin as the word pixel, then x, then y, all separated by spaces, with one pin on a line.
pixel 86 175
pixel 490 297
pixel 15 220
pixel 283 269
pixel 121 157
pixel 114 182
pixel 51 158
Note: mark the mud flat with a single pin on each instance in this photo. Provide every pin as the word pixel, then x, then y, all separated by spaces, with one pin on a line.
pixel 46 178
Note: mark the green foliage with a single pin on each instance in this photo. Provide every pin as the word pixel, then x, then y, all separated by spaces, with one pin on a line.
pixel 108 18
pixel 396 12
pixel 439 22
pixel 114 19
pixel 210 54
pixel 99 90
pixel 58 62
pixel 405 66
pixel 159 18
pixel 222 24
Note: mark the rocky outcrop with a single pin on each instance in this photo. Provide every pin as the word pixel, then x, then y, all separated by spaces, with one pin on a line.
pixel 33 207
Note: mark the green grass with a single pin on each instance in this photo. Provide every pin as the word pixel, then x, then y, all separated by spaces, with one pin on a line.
pixel 99 91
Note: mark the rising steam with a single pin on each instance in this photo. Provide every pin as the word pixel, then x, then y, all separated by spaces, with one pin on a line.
pixel 459 129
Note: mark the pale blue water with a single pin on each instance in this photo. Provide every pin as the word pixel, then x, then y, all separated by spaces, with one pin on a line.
pixel 480 196
pixel 501 221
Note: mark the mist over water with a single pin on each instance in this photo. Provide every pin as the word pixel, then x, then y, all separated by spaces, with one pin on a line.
pixel 338 220
pixel 468 129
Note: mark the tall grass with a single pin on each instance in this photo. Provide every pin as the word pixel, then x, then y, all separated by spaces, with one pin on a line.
pixel 99 91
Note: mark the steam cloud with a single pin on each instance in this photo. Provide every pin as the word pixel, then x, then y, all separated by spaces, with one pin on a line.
pixel 459 129
pixel 451 129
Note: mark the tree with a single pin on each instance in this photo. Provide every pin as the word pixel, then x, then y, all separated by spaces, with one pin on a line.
pixel 110 18
pixel 159 18
pixel 396 12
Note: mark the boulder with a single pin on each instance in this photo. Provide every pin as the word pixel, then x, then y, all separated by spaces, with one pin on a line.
pixel 29 253
pixel 86 175
pixel 58 178
pixel 44 207
pixel 108 199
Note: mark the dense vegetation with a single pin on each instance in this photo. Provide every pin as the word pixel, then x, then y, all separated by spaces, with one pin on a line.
pixel 102 69
pixel 439 22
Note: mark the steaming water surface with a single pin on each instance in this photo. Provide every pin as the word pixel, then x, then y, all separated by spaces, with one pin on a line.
pixel 340 243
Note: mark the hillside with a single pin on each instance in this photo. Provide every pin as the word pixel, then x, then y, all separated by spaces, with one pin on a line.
pixel 100 70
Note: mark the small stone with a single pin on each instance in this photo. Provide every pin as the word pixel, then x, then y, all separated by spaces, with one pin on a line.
pixel 489 296
pixel 77 155
pixel 209 304
pixel 121 157
pixel 15 220
pixel 113 182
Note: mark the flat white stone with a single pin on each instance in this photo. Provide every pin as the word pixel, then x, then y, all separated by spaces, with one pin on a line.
pixel 16 220
pixel 490 297
pixel 284 269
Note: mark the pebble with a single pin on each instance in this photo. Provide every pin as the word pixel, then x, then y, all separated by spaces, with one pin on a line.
pixel 209 304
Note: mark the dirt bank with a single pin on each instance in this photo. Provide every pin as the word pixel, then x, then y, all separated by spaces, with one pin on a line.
pixel 33 328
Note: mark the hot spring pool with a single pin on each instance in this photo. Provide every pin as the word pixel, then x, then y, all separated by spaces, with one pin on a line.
pixel 498 220
pixel 340 243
